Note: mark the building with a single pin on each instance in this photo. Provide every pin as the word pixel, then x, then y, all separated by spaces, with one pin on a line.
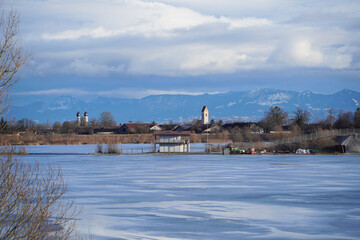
pixel 205 115
pixel 107 130
pixel 127 128
pixel 172 141
pixel 78 116
pixel 86 118
pixel 174 127
pixel 82 121
pixel 212 129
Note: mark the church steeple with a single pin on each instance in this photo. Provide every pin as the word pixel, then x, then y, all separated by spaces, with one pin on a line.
pixel 78 115
pixel 86 118
pixel 205 115
pixel 82 121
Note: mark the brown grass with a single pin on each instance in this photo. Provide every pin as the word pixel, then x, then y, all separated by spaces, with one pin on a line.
pixel 77 139
pixel 74 139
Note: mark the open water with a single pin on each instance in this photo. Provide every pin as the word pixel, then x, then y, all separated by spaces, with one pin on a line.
pixel 210 196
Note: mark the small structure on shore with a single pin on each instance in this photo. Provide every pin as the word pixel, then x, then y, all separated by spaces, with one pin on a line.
pixel 172 141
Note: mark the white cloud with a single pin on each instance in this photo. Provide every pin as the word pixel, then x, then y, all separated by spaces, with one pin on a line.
pixel 57 91
pixel 245 22
pixel 148 19
pixel 213 60
pixel 84 67
pixel 304 53
pixel 183 37
pixel 197 59
pixel 116 93
pixel 98 32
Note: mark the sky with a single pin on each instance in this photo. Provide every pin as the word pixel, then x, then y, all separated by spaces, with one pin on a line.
pixel 135 48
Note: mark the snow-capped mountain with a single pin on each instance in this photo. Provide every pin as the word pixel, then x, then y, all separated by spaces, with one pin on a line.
pixel 245 106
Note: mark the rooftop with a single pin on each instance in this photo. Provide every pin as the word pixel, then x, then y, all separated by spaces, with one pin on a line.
pixel 172 133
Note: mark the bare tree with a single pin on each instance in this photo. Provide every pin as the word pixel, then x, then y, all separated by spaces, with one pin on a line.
pixel 94 123
pixel 301 117
pixel 12 56
pixel 275 117
pixel 330 119
pixel 32 204
pixel 344 120
pixel 107 119
pixel 68 127
pixel 357 118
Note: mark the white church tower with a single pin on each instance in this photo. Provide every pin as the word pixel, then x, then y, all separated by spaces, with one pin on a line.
pixel 82 121
pixel 78 115
pixel 86 118
pixel 205 115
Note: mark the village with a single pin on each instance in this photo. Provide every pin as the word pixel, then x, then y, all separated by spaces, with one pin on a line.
pixel 275 133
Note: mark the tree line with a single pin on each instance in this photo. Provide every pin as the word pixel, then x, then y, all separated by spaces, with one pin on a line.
pixel 26 125
pixel 275 119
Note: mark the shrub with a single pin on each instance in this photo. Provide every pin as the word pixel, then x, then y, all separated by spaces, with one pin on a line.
pixel 113 149
pixel 100 148
pixel 32 204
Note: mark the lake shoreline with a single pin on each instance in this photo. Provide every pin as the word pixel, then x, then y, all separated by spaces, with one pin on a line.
pixel 77 139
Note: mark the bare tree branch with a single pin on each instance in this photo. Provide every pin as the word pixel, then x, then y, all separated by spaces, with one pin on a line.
pixel 32 203
pixel 12 55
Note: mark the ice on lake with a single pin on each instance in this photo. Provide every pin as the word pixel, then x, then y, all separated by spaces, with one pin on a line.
pixel 211 196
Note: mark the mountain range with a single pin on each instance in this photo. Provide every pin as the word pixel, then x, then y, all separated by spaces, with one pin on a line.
pixel 242 106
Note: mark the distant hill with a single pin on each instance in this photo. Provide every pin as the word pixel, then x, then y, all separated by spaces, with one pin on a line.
pixel 245 106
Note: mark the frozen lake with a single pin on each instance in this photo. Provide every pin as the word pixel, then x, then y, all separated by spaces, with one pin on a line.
pixel 211 196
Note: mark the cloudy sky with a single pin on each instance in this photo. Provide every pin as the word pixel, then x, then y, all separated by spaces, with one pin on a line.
pixel 133 48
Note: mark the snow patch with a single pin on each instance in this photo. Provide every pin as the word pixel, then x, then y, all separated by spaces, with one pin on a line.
pixel 356 102
pixel 62 103
pixel 231 103
pixel 313 108
pixel 306 93
pixel 272 99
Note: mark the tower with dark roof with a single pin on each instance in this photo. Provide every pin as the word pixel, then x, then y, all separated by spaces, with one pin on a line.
pixel 82 121
pixel 86 118
pixel 78 115
pixel 205 115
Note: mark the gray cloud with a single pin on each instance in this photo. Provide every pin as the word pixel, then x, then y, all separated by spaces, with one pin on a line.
pixel 182 37
pixel 116 93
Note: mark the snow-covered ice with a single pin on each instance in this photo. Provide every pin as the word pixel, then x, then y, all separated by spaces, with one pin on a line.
pixel 211 196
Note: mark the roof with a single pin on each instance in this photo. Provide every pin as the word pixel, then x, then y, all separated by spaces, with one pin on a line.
pixel 210 129
pixel 172 133
pixel 236 124
pixel 204 108
pixel 107 129
pixel 135 125
pixel 240 124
